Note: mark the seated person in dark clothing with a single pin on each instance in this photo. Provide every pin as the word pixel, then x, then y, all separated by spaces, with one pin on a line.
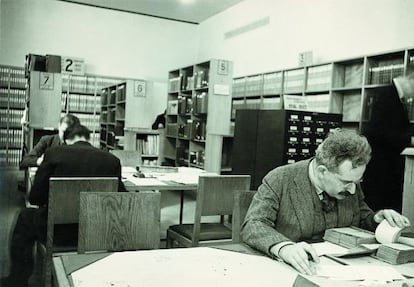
pixel 35 156
pixel 159 121
pixel 76 159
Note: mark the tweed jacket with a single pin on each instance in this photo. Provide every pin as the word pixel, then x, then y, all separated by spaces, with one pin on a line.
pixel 77 160
pixel 283 209
pixel 40 148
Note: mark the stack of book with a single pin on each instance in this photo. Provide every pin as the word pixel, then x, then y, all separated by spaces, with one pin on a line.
pixel 395 253
pixel 349 236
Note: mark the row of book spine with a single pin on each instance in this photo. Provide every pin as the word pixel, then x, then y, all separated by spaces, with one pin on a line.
pixel 11 138
pixel 148 146
pixel 13 118
pixel 13 77
pixel 385 74
pixel 14 99
pixel 80 103
pixel 86 84
pixel 10 157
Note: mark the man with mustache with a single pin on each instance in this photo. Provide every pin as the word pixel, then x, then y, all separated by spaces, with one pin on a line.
pixel 296 203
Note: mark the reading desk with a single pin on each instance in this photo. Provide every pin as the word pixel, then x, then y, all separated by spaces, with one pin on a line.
pixel 218 265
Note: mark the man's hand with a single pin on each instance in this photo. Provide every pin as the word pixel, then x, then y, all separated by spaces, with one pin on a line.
pixel 300 256
pixel 393 218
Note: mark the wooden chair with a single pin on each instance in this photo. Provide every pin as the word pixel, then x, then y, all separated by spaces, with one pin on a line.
pixel 119 221
pixel 242 200
pixel 214 197
pixel 63 208
pixel 128 157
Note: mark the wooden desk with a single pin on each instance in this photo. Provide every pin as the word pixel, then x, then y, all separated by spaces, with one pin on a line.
pixel 199 266
pixel 184 179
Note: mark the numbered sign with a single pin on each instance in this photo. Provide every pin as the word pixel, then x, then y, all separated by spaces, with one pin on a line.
pixel 46 81
pixel 139 89
pixel 223 67
pixel 74 66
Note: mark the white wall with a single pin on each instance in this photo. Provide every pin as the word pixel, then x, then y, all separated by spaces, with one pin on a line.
pixel 122 44
pixel 112 43
pixel 332 29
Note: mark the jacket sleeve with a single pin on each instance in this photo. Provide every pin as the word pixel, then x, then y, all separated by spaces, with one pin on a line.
pixel 37 151
pixel 39 193
pixel 259 229
pixel 366 214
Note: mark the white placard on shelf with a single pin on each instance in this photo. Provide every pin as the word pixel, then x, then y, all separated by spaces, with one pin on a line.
pixel 221 89
pixel 73 66
pixel 139 89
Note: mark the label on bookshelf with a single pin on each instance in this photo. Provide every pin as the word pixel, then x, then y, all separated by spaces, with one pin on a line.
pixel 46 81
pixel 71 65
pixel 221 89
pixel 139 89
pixel 223 67
pixel 292 102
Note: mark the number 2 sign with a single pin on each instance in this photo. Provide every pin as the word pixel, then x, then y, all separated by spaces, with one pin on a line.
pixel 74 66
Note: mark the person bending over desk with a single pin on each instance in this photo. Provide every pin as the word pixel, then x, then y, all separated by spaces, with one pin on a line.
pixel 76 159
pixel 297 202
pixel 35 156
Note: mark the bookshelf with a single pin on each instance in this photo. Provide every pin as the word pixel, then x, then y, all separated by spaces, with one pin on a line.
pixel 198 115
pixel 81 96
pixel 148 142
pixel 127 111
pixel 342 86
pixel 12 103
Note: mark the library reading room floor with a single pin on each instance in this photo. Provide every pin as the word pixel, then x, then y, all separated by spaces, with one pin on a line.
pixel 12 200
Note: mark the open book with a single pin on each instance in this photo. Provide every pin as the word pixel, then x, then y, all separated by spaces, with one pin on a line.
pixel 357 240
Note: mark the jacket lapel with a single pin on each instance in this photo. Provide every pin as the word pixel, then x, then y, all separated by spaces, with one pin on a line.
pixel 300 196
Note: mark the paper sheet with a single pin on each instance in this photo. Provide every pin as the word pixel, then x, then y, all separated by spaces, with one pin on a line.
pixel 326 247
pixel 360 272
pixel 202 266
pixel 144 181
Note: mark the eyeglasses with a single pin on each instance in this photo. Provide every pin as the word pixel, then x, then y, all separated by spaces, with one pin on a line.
pixel 348 185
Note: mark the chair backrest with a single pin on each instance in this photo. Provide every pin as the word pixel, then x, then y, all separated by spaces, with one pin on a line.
pixel 215 197
pixel 119 221
pixel 127 157
pixel 64 193
pixel 242 200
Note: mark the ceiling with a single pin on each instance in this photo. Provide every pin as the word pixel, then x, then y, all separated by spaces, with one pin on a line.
pixel 191 11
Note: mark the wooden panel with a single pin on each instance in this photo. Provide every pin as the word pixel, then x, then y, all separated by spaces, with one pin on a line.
pixel 45 100
pixel 64 195
pixel 216 193
pixel 119 221
pixel 408 193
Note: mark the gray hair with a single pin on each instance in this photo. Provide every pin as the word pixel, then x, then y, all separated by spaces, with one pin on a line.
pixel 341 145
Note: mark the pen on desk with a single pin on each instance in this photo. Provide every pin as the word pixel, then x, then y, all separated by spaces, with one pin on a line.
pixel 336 259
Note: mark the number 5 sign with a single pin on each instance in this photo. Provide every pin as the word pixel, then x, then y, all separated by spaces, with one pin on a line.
pixel 74 66
pixel 223 67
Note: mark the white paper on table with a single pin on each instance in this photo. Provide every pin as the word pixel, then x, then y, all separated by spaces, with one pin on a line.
pixel 202 266
pixel 359 272
pixel 144 181
pixel 127 169
pixel 326 247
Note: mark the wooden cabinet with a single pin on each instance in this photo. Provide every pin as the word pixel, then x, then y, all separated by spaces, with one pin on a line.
pixel 12 103
pixel 265 139
pixel 198 114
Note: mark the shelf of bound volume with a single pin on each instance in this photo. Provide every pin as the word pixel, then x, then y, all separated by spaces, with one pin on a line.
pixel 198 114
pixel 12 104
pixel 340 86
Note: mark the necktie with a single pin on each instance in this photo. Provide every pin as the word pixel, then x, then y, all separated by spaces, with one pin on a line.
pixel 328 203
